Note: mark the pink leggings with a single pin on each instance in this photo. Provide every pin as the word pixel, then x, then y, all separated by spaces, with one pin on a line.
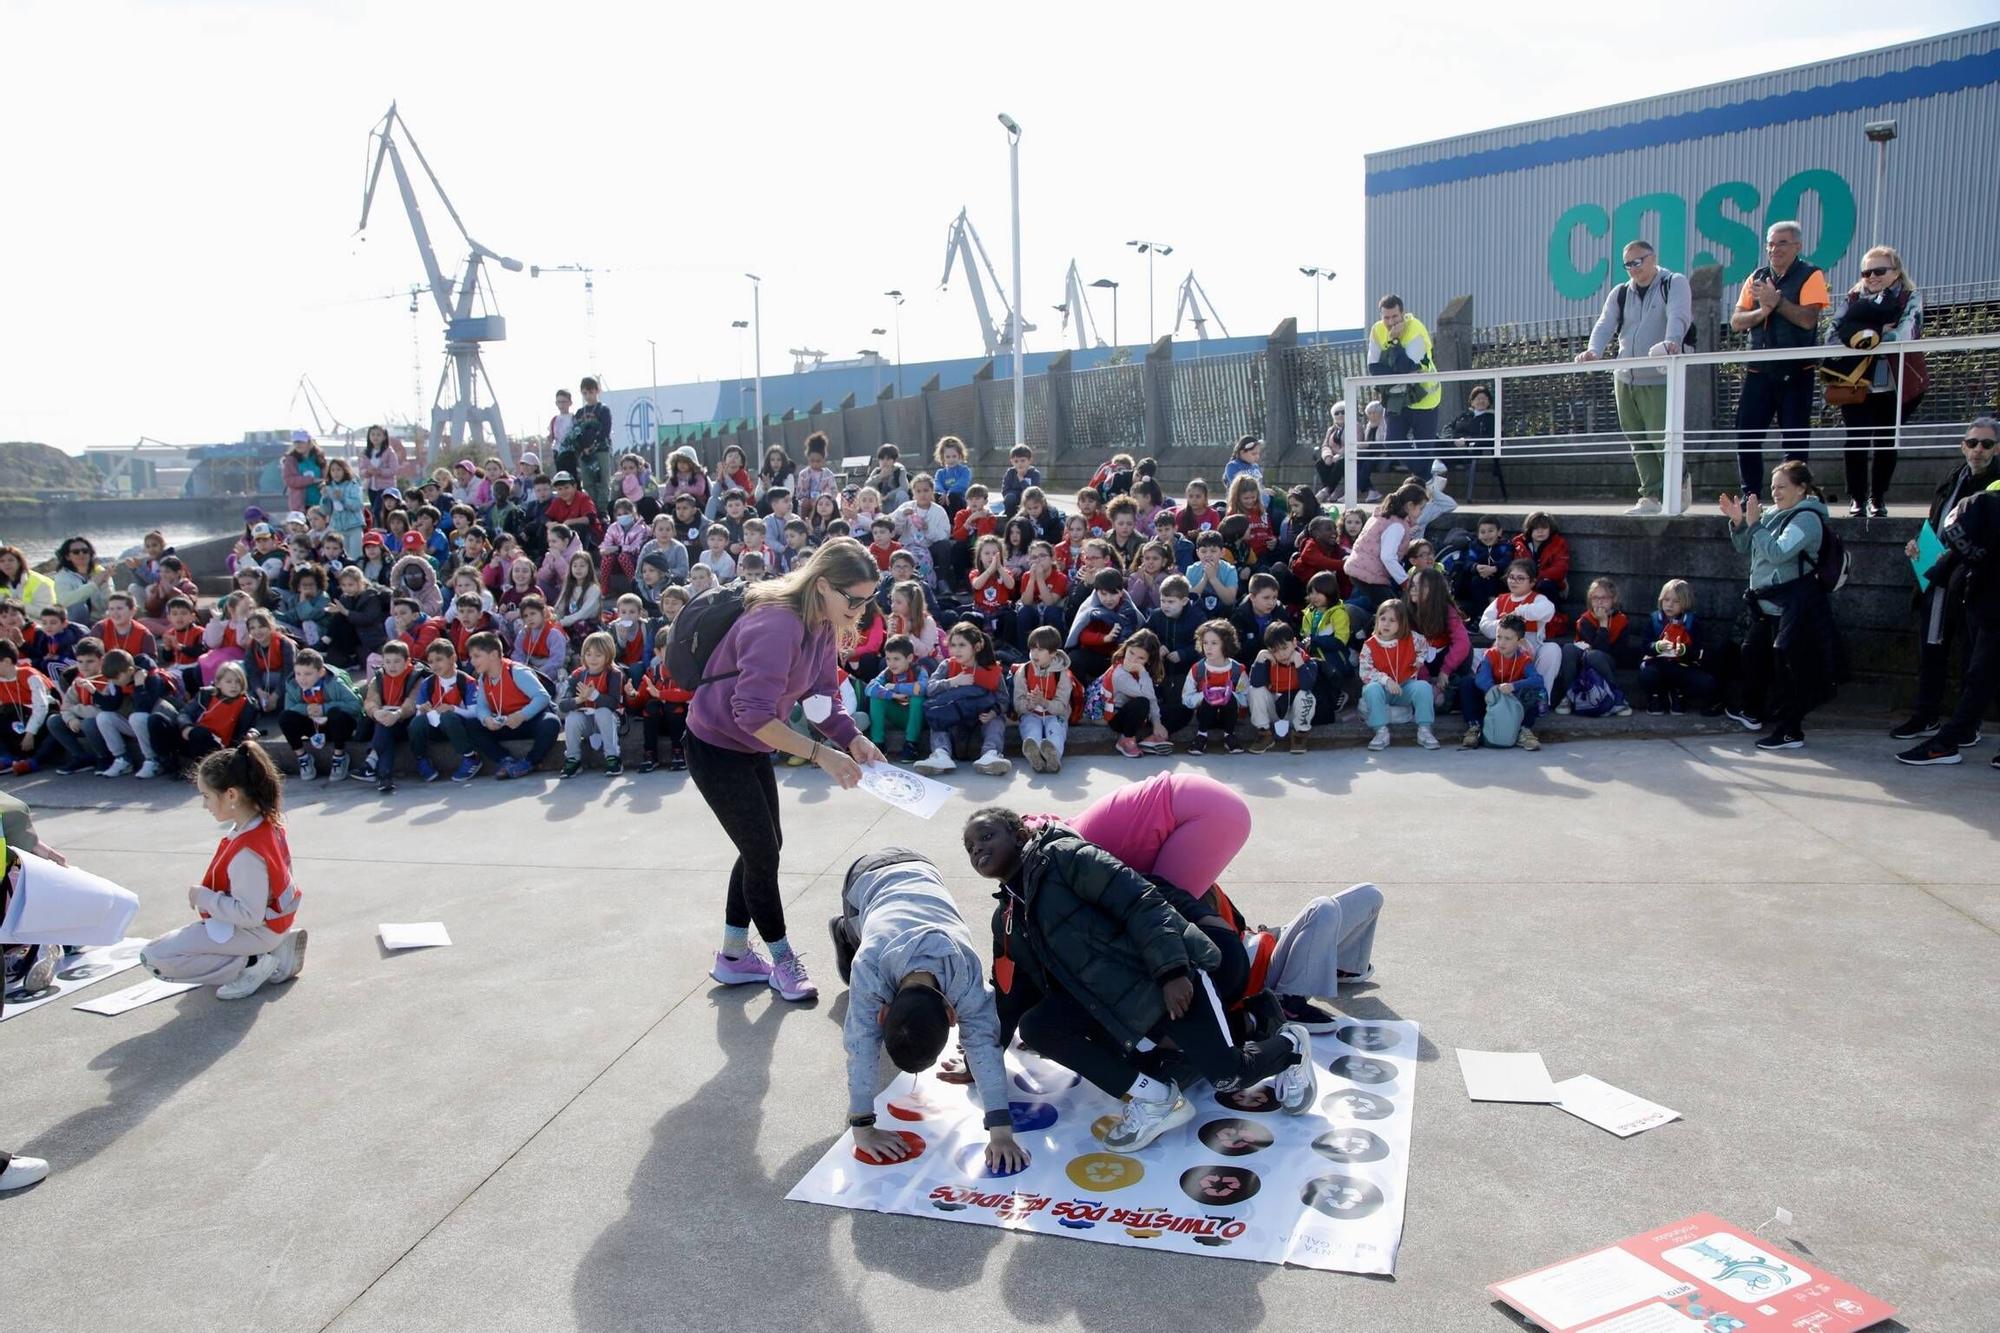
pixel 1183 827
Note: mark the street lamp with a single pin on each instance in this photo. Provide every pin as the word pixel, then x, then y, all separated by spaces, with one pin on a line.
pixel 1879 133
pixel 757 348
pixel 1149 249
pixel 1014 175
pixel 742 327
pixel 897 297
pixel 1315 273
pixel 653 403
pixel 1106 282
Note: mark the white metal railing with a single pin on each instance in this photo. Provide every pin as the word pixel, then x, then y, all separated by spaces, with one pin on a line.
pixel 1678 442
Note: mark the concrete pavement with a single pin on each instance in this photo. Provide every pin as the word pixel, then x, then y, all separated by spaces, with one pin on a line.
pixel 560 1123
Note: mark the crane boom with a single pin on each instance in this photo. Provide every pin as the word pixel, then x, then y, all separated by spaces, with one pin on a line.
pixel 1193 302
pixel 961 246
pixel 1076 303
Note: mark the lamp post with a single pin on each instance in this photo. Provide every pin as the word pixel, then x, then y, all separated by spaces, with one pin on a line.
pixel 1149 249
pixel 1106 282
pixel 1879 133
pixel 1315 273
pixel 1007 122
pixel 653 403
pixel 757 349
pixel 897 297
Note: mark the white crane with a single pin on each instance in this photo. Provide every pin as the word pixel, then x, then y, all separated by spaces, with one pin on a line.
pixel 963 243
pixel 1076 305
pixel 1193 302
pixel 462 418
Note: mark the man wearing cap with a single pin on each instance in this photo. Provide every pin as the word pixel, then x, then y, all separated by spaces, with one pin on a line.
pixel 574 508
pixel 588 443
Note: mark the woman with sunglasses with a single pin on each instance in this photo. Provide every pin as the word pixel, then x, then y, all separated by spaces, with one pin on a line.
pixel 1940 619
pixel 1883 307
pixel 782 653
pixel 83 586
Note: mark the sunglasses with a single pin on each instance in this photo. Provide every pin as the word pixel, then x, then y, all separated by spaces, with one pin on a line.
pixel 1974 442
pixel 1637 263
pixel 1876 272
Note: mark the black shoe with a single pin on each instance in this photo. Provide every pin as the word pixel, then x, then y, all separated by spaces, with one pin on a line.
pixel 1656 704
pixel 1994 762
pixel 1917 728
pixel 571 767
pixel 1933 751
pixel 1199 744
pixel 1744 718
pixel 1854 508
pixel 1231 744
pixel 843 948
pixel 1784 738
pixel 1876 509
pixel 677 762
pixel 1314 1016
pixel 649 763
pixel 1676 704
pixel 385 786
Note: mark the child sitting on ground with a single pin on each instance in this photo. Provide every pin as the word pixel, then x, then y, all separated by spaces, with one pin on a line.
pixel 539 643
pixel 1505 681
pixel 1131 689
pixel 1479 571
pixel 1046 697
pixel 1217 688
pixel 1547 551
pixel 267 663
pixel 896 697
pixel 128 698
pixel 1389 658
pixel 1256 613
pixel 1678 670
pixel 74 726
pixel 1283 697
pixel 1104 620
pixel 246 899
pixel 445 710
pixel 909 615
pixel 390 701
pixel 1525 600
pixel 662 703
pixel 321 713
pixel 593 700
pixel 1604 642
pixel 25 698
pixel 224 717
pixel 963 701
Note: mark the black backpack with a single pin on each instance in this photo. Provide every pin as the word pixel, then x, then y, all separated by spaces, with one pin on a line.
pixel 696 632
pixel 1832 563
pixel 1666 289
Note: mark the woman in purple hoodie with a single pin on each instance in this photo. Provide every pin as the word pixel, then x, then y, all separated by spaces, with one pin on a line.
pixel 782 652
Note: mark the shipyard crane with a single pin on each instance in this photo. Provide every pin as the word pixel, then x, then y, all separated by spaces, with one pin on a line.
pixel 805 359
pixel 1076 305
pixel 323 427
pixel 457 415
pixel 1193 302
pixel 962 244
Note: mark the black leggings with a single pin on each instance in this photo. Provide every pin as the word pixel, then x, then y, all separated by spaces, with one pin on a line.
pixel 298 729
pixel 662 717
pixel 1060 1028
pixel 1215 717
pixel 743 793
pixel 1132 718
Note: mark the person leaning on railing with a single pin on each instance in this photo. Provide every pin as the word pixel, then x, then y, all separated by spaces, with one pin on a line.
pixel 1780 307
pixel 1399 344
pixel 1648 314
pixel 1882 307
pixel 1941 618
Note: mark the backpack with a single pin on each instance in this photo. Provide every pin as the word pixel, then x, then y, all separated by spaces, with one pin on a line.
pixel 698 629
pixel 1591 695
pixel 1832 563
pixel 1666 290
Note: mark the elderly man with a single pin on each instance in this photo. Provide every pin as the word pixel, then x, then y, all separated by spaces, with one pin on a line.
pixel 1780 306
pixel 1941 618
pixel 1647 315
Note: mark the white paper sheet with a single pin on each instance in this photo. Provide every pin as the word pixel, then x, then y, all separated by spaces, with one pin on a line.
pixel 80 970
pixel 1506 1076
pixel 414 935
pixel 124 1001
pixel 920 795
pixel 66 905
pixel 1590 1286
pixel 1610 1108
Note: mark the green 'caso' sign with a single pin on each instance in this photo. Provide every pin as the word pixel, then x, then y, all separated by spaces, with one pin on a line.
pixel 1723 217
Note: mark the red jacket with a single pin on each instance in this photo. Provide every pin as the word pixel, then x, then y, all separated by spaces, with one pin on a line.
pixel 970 522
pixel 1314 558
pixel 1551 562
pixel 656 683
pixel 578 513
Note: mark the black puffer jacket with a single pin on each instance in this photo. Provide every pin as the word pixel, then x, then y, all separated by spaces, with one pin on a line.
pixel 1970 565
pixel 1079 919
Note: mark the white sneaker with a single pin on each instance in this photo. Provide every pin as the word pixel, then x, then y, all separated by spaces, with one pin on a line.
pixel 22 1172
pixel 1427 738
pixel 1031 750
pixel 291 956
pixel 940 761
pixel 1297 1087
pixel 993 764
pixel 306 773
pixel 1142 1121
pixel 119 768
pixel 1647 505
pixel 1563 707
pixel 253 977
pixel 1380 740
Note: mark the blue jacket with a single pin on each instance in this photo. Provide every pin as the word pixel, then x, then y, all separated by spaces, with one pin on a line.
pixel 1177 636
pixel 1482 675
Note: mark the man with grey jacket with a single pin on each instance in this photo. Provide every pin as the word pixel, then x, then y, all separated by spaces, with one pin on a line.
pixel 912 972
pixel 1648 314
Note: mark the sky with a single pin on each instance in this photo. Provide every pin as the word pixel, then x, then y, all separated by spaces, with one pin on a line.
pixel 185 176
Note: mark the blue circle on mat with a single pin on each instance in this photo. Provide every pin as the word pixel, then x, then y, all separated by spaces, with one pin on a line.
pixel 1043 1084
pixel 1030 1116
pixel 972 1163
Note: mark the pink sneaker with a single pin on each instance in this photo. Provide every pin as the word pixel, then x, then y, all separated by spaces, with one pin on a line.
pixel 1128 747
pixel 789 979
pixel 748 970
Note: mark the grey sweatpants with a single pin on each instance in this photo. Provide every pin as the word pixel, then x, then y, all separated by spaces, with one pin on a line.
pixel 578 724
pixel 188 954
pixel 1329 936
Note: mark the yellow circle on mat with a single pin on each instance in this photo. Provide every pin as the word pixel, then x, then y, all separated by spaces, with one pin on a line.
pixel 1102 1172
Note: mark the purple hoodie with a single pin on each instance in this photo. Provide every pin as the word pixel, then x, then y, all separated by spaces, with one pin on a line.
pixel 777 670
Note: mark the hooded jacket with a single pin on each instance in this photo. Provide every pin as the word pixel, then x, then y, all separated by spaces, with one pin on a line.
pixel 425 590
pixel 1078 919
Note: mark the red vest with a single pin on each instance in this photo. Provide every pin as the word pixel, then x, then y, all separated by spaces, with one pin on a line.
pixel 132 640
pixel 267 841
pixel 1046 683
pixel 391 690
pixel 1508 670
pixel 448 696
pixel 658 684
pixel 535 643
pixel 1216 686
pixel 607 696
pixel 1507 604
pixel 270 657
pixel 503 696
pixel 18 692
pixel 1283 679
pixel 186 644
pixel 635 647
pixel 1397 660
pixel 222 715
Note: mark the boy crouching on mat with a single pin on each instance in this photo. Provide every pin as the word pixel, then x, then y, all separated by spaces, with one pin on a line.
pixel 912 971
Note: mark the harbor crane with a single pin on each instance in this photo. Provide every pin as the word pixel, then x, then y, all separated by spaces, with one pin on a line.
pixel 1193 302
pixel 962 244
pixel 1076 305
pixel 457 414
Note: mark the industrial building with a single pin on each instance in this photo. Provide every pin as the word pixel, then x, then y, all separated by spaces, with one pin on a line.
pixel 1529 219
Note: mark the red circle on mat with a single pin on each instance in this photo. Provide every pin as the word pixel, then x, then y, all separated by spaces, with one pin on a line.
pixel 916 1142
pixel 909 1108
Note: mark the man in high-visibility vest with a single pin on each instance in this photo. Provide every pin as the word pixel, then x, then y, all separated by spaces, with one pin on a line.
pixel 1399 344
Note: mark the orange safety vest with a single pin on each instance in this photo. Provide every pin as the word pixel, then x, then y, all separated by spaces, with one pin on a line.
pixel 1508 670
pixel 265 840
pixel 19 692
pixel 222 715
pixel 503 696
pixel 131 641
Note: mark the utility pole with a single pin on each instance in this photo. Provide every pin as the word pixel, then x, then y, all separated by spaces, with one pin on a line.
pixel 1020 381
pixel 1149 249
pixel 757 353
pixel 897 297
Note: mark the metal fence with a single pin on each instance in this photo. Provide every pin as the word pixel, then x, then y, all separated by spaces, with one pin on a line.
pixel 1106 409
pixel 1214 399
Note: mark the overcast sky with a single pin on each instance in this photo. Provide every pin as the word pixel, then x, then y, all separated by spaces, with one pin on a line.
pixel 184 177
